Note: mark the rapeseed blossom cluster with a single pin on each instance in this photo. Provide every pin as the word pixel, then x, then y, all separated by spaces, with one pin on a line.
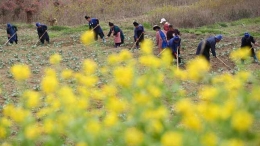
pixel 142 103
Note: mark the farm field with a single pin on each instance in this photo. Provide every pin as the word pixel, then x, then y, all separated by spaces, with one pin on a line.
pixel 156 108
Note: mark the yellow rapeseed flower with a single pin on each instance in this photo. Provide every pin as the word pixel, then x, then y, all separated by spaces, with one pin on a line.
pixel 208 93
pixel 66 74
pixel 209 112
pixel 233 142
pixel 171 139
pixel 192 122
pixel 239 54
pixel 3 132
pixel 32 98
pixel 20 72
pixel 209 139
pixel 32 132
pixel 49 84
pixel 5 122
pixel 197 68
pixel 133 136
pixel 125 55
pixel 242 120
pixel 154 126
pixel 48 126
pixel 167 58
pixel 87 37
pixel 81 144
pixel 124 76
pixel 55 59
pixel 184 106
pixel 113 59
pixel 154 91
pixel 111 119
pixel 150 61
pixel 89 67
pixel 93 127
pixel 147 47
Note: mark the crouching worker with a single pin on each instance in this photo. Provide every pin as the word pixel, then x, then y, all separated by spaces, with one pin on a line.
pixel 205 46
pixel 247 41
pixel 117 33
pixel 175 45
pixel 42 32
pixel 12 33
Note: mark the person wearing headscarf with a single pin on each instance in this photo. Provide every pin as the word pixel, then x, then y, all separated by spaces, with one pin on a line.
pixel 93 23
pixel 161 40
pixel 42 32
pixel 175 45
pixel 165 24
pixel 12 33
pixel 205 46
pixel 117 33
pixel 138 34
pixel 247 41
pixel 172 32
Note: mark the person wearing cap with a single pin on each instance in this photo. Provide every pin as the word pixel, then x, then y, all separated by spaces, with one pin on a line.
pixel 247 41
pixel 12 33
pixel 42 32
pixel 175 45
pixel 165 24
pixel 172 32
pixel 138 34
pixel 205 46
pixel 117 33
pixel 161 40
pixel 93 23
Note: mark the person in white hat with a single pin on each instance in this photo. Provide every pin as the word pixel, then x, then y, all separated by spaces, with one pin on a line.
pixel 165 24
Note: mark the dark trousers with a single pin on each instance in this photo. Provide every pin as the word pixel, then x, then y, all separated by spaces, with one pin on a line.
pixel 44 37
pixel 101 34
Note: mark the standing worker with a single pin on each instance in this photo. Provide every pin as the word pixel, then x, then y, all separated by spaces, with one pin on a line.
pixel 165 24
pixel 205 45
pixel 117 33
pixel 161 40
pixel 247 41
pixel 93 23
pixel 42 32
pixel 12 33
pixel 138 34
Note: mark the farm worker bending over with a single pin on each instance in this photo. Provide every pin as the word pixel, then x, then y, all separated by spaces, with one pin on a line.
pixel 161 40
pixel 172 32
pixel 138 34
pixel 12 33
pixel 247 41
pixel 42 32
pixel 165 24
pixel 117 33
pixel 93 23
pixel 205 45
pixel 174 45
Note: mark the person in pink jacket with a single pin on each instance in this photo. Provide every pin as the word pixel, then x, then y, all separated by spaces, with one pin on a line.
pixel 161 40
pixel 165 24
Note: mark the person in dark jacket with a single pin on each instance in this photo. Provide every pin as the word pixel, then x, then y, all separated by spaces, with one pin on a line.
pixel 42 32
pixel 93 23
pixel 247 41
pixel 172 32
pixel 175 45
pixel 12 33
pixel 138 34
pixel 117 33
pixel 205 46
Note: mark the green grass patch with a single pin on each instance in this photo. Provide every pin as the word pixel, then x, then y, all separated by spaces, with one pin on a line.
pixel 59 28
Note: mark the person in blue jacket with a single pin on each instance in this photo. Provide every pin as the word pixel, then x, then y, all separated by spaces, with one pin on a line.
pixel 138 34
pixel 205 46
pixel 247 41
pixel 175 44
pixel 12 33
pixel 93 23
pixel 42 33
